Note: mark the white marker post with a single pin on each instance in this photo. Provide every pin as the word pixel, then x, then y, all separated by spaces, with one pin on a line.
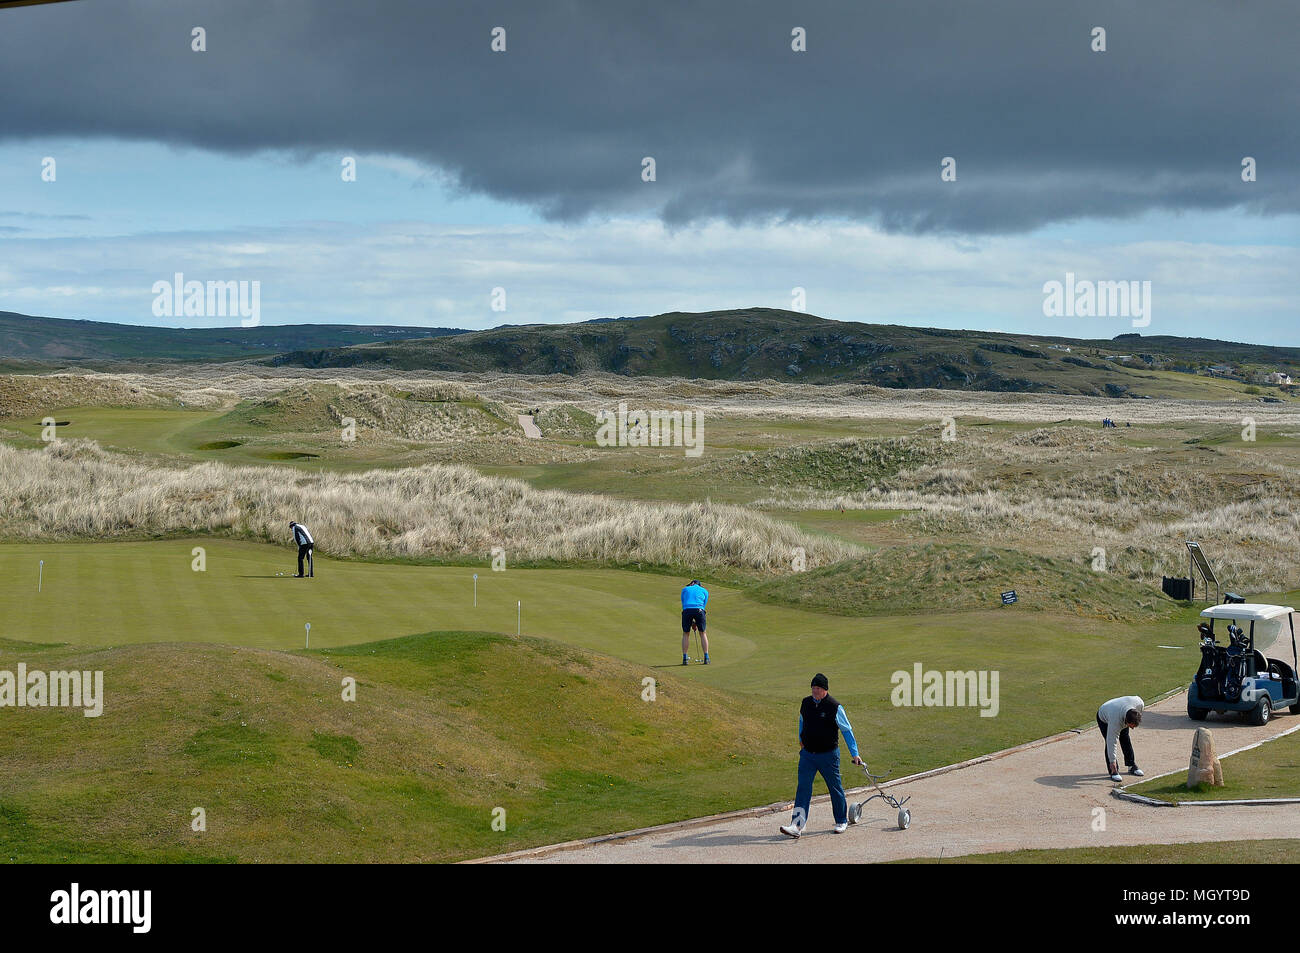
pixel 308 645
pixel 475 590
pixel 40 576
pixel 519 616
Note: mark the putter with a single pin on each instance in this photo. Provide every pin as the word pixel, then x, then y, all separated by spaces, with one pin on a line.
pixel 904 815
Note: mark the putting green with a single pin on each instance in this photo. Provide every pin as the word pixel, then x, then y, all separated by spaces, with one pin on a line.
pixel 1051 671
pixel 153 430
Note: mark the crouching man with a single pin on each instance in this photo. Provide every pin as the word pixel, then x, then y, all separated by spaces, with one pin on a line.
pixel 821 719
pixel 306 548
pixel 1115 719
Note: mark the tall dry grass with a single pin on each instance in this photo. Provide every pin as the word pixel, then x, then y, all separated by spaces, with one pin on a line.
pixel 224 384
pixel 1071 491
pixel 74 490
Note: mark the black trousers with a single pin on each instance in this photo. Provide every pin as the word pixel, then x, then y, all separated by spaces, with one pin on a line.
pixel 304 552
pixel 1125 744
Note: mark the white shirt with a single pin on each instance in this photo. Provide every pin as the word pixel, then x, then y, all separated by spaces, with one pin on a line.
pixel 1112 716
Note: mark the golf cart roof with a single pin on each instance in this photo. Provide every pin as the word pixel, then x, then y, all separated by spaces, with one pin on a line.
pixel 1242 611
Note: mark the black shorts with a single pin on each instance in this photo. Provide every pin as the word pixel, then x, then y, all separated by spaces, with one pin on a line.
pixel 692 617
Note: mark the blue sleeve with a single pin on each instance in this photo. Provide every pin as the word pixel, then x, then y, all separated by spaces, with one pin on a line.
pixel 706 598
pixel 846 729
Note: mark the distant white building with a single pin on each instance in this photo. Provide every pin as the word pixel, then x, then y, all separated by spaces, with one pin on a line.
pixel 1277 377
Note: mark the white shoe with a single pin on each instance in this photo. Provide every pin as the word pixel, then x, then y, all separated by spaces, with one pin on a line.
pixel 1116 778
pixel 1136 772
pixel 841 828
pixel 792 830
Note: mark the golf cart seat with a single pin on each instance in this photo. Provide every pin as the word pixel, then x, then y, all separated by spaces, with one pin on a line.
pixel 1259 662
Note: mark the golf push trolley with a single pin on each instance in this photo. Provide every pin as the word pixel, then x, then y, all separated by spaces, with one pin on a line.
pixel 904 815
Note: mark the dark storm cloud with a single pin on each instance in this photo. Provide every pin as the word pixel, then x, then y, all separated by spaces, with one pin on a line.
pixel 1043 129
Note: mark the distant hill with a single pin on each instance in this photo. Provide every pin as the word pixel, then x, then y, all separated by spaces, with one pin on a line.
pixel 747 344
pixel 759 343
pixel 59 340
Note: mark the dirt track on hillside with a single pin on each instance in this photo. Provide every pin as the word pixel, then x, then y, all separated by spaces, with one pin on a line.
pixel 1040 797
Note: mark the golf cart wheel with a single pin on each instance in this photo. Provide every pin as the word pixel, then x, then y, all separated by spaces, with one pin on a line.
pixel 855 813
pixel 1295 709
pixel 1262 712
pixel 1197 714
pixel 904 818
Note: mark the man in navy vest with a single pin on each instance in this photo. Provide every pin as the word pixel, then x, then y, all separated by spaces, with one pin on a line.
pixel 821 719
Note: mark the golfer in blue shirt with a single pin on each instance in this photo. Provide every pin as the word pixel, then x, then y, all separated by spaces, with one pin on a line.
pixel 694 600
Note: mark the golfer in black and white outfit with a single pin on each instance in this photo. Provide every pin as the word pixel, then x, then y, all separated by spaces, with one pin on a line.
pixel 305 546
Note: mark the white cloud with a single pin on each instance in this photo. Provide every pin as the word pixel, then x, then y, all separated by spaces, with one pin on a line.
pixel 422 274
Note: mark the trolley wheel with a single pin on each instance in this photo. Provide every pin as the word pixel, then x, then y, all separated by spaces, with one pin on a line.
pixel 855 813
pixel 904 818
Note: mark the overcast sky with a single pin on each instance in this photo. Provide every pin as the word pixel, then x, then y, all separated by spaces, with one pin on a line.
pixel 774 169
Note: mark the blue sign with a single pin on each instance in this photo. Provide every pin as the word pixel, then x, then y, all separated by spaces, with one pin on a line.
pixel 1008 597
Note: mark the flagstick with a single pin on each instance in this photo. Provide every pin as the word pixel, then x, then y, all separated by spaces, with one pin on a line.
pixel 475 590
pixel 308 645
pixel 40 576
pixel 519 616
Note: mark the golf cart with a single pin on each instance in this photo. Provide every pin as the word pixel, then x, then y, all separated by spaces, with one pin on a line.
pixel 1238 676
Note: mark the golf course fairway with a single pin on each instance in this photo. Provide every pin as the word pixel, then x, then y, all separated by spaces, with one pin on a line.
pixel 224 697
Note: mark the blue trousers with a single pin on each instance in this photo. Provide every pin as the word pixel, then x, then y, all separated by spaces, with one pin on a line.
pixel 828 765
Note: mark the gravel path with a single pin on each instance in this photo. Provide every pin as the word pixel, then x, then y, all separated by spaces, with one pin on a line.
pixel 531 430
pixel 1040 797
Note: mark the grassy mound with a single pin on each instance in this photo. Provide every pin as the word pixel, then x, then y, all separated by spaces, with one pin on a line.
pixel 445 728
pixel 1086 439
pixel 850 464
pixel 35 396
pixel 426 414
pixel 566 421
pixel 945 578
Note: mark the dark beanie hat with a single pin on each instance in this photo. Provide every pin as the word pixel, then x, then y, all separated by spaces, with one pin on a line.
pixel 819 680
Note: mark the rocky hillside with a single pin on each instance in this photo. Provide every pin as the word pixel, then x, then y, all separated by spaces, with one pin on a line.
pixel 763 343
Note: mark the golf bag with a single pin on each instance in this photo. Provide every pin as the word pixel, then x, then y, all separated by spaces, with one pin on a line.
pixel 1223 668
pixel 1212 673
